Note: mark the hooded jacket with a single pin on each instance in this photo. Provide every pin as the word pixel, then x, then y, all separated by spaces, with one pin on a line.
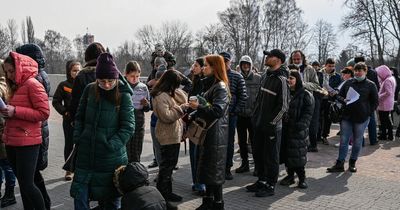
pixel 253 83
pixel 101 132
pixel 31 105
pixel 133 183
pixel 387 90
pixel 36 53
pixel 62 96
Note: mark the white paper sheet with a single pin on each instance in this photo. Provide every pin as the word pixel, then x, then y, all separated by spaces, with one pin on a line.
pixel 352 96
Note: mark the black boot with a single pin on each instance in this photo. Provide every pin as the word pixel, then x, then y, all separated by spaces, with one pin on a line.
pixel 302 180
pixel 338 167
pixel 218 205
pixel 244 167
pixel 352 166
pixel 398 132
pixel 207 203
pixel 288 180
pixel 9 197
pixel 228 174
pixel 171 206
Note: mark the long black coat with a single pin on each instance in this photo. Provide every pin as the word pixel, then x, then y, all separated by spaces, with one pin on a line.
pixel 295 129
pixel 212 160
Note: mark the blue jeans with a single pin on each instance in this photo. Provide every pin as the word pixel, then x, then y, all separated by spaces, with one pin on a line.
pixel 348 130
pixel 82 202
pixel 156 145
pixel 5 167
pixel 231 140
pixel 372 129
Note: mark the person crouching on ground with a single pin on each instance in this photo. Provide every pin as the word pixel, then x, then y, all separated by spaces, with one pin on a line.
pixel 132 181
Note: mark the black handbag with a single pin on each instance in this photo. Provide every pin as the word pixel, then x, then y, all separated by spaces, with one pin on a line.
pixel 335 111
pixel 69 164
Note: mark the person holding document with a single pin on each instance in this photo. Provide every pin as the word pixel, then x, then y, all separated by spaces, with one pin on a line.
pixel 360 100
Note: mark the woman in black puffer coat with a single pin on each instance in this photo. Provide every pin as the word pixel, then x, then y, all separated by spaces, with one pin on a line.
pixel 296 124
pixel 212 159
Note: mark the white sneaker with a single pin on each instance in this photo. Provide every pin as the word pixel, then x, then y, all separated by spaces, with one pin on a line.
pixel 350 147
pixel 337 145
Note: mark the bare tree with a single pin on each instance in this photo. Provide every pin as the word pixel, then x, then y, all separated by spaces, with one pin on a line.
pixel 13 33
pixel 324 40
pixel 4 42
pixel 211 39
pixel 80 48
pixel 23 33
pixel 30 31
pixel 58 50
pixel 241 22
pixel 283 26
pixel 366 21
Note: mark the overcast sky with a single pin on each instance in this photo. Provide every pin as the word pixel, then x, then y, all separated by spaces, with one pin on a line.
pixel 113 22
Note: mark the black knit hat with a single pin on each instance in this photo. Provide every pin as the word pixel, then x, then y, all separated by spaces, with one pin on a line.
pixel 93 51
pixel 33 51
pixel 106 67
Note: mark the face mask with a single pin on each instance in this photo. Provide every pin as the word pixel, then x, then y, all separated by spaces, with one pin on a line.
pixel 298 65
pixel 111 87
pixel 359 78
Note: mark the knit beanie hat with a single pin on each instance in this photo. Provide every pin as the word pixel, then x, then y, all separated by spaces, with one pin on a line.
pixel 93 51
pixel 106 68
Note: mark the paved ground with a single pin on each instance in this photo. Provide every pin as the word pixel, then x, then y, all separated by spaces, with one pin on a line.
pixel 375 186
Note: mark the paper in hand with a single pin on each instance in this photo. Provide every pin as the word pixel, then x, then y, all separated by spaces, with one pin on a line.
pixel 2 104
pixel 352 96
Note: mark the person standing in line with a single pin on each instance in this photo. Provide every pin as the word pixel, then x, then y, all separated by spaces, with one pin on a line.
pixel 310 80
pixel 5 166
pixel 295 131
pixel 194 152
pixel 245 126
pixel 36 53
pixel 61 102
pixel 386 101
pixel 169 105
pixel 271 105
pixel 104 123
pixel 214 110
pixel 237 88
pixel 27 108
pixel 355 117
pixel 141 104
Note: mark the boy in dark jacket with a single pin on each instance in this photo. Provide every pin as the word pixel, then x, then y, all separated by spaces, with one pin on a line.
pixel 61 102
pixel 132 182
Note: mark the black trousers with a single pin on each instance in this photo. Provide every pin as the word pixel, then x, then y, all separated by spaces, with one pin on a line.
pixel 245 132
pixel 23 161
pixel 326 121
pixel 300 171
pixel 169 159
pixel 315 122
pixel 386 124
pixel 39 182
pixel 266 153
pixel 69 137
pixel 214 191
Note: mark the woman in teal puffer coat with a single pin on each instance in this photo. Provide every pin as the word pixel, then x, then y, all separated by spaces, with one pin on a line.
pixel 104 124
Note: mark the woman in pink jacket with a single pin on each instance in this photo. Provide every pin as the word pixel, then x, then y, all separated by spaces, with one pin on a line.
pixel 27 107
pixel 386 101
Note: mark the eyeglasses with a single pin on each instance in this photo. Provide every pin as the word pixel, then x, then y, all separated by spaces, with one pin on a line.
pixel 107 81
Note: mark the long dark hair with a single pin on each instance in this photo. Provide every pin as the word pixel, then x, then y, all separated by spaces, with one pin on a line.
pixel 168 83
pixel 299 82
pixel 113 96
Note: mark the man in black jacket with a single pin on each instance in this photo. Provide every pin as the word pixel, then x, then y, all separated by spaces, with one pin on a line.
pixel 272 103
pixel 237 88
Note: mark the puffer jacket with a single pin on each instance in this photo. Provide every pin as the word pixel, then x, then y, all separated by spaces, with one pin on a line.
pixel 387 90
pixel 253 83
pixel 101 132
pixel 31 105
pixel 295 129
pixel 237 88
pixel 36 53
pixel 3 94
pixel 168 110
pixel 212 158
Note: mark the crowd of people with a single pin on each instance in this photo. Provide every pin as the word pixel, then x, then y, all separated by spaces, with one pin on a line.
pixel 279 115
